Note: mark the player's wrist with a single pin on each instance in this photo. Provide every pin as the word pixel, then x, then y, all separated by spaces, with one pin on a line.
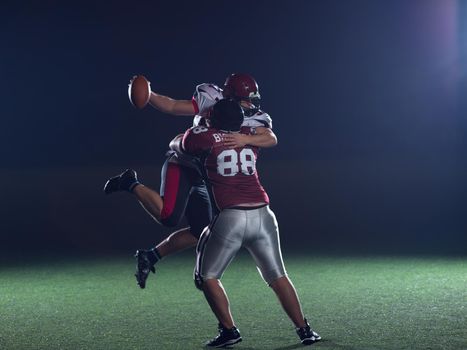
pixel 249 139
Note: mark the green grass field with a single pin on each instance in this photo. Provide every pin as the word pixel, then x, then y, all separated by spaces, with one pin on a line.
pixel 354 303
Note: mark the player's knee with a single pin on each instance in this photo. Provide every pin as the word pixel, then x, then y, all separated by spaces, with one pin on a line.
pixel 273 277
pixel 197 230
pixel 198 281
pixel 169 219
pixel 275 281
pixel 168 222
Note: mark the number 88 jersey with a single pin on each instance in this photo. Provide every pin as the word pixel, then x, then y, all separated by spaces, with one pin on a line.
pixel 231 173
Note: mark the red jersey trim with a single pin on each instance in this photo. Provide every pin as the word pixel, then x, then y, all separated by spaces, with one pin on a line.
pixel 170 190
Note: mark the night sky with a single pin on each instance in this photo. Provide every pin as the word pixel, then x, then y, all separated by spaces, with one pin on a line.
pixel 367 100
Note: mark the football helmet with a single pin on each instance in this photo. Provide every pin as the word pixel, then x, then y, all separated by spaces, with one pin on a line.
pixel 243 87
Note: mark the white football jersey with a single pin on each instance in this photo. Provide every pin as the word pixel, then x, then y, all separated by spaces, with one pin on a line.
pixel 260 118
pixel 206 96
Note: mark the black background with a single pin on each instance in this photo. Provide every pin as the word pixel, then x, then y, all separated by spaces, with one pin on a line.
pixel 367 100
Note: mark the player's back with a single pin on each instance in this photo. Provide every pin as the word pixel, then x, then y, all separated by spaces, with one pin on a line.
pixel 231 173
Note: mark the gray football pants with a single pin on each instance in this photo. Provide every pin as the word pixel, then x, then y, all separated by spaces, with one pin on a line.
pixel 232 229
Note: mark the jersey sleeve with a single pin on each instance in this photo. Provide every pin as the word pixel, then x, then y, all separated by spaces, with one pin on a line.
pixel 197 140
pixel 204 97
pixel 259 119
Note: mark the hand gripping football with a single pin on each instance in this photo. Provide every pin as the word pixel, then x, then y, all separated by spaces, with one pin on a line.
pixel 139 91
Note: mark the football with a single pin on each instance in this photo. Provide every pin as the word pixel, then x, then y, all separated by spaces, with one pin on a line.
pixel 139 91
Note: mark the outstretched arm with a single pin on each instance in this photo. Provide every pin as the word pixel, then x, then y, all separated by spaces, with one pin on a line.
pixel 170 106
pixel 264 137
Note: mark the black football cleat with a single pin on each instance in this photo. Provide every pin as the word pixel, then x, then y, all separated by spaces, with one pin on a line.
pixel 225 337
pixel 143 267
pixel 126 181
pixel 307 335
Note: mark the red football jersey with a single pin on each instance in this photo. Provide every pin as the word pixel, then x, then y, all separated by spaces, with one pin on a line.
pixel 231 173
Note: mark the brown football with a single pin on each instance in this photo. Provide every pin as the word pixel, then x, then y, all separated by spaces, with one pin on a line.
pixel 139 91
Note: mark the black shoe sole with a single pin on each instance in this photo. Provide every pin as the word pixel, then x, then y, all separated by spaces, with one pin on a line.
pixel 227 343
pixel 310 341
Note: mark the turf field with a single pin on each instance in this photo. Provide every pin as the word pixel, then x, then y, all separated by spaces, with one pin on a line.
pixel 354 303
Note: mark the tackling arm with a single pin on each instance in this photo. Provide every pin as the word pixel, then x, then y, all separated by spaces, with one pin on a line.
pixel 264 138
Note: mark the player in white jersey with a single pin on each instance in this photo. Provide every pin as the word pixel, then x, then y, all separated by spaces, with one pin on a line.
pixel 182 187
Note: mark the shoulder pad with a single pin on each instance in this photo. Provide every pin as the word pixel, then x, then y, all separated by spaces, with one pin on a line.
pixel 208 91
pixel 259 119
pixel 205 96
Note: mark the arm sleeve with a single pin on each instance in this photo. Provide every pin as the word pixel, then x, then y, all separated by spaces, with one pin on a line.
pixel 196 143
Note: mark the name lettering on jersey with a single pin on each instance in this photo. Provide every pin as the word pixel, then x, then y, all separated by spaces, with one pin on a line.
pixel 217 137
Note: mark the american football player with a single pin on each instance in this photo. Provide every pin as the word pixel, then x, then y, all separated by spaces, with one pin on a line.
pixel 182 188
pixel 244 219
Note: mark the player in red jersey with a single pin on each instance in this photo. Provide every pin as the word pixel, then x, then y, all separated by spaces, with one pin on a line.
pixel 182 189
pixel 244 219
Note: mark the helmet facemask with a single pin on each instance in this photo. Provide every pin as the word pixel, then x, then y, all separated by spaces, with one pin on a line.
pixel 253 105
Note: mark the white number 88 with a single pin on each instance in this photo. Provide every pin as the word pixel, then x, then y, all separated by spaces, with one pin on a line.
pixel 231 167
